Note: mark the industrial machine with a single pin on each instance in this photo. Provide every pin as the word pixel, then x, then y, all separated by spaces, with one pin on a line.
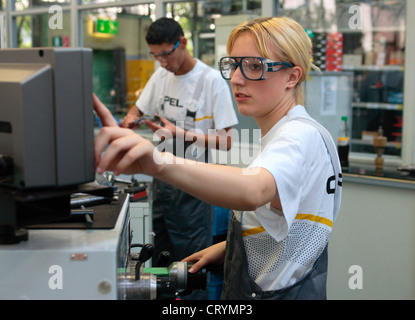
pixel 72 261
pixel 62 234
pixel 46 134
pixel 161 283
pixel 83 262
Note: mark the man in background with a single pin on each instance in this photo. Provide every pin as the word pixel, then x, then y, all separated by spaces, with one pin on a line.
pixel 194 105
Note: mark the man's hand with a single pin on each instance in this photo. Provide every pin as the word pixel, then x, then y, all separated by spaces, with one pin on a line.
pixel 129 120
pixel 165 129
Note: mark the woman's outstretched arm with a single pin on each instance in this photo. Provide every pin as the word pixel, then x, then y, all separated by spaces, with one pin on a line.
pixel 221 185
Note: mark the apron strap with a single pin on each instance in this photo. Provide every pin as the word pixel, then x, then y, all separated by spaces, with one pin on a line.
pixel 199 87
pixel 332 149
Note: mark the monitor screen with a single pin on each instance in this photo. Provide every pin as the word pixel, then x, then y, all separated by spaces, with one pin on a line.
pixel 46 117
pixel 46 135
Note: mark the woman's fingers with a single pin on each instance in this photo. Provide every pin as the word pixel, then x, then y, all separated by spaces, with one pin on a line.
pixel 103 113
pixel 117 142
pixel 136 152
pixel 125 152
pixel 212 255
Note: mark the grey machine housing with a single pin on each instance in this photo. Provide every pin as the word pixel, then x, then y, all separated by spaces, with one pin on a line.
pixel 46 116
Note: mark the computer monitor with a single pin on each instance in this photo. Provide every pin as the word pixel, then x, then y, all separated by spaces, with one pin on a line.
pixel 46 133
pixel 46 118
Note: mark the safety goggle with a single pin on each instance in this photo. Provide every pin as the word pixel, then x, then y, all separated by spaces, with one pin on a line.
pixel 165 54
pixel 252 68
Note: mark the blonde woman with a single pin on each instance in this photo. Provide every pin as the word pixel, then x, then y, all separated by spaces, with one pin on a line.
pixel 285 202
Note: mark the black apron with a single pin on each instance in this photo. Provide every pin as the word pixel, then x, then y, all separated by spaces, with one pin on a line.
pixel 238 285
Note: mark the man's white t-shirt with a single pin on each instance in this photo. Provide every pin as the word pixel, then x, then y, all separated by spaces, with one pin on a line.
pixel 282 246
pixel 172 96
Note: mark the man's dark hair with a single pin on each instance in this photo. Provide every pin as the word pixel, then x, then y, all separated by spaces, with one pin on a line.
pixel 164 30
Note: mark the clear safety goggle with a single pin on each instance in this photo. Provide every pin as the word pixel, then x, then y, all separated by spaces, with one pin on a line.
pixel 165 54
pixel 252 68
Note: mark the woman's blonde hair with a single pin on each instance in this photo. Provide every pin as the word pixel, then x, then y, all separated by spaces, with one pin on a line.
pixel 279 38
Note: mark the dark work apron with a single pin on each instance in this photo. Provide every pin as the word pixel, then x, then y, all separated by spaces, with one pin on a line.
pixel 238 285
pixel 182 223
pixel 237 282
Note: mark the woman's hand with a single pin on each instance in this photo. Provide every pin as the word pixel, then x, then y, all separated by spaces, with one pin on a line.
pixel 103 113
pixel 212 255
pixel 127 152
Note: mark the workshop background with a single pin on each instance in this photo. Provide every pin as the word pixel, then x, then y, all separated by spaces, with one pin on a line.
pixel 363 49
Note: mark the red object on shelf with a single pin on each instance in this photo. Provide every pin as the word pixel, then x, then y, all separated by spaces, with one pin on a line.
pixel 334 51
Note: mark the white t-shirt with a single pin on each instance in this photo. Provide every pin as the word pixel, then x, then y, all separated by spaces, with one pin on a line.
pixel 282 246
pixel 172 96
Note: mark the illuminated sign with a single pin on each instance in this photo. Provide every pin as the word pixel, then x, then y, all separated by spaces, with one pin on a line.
pixel 107 26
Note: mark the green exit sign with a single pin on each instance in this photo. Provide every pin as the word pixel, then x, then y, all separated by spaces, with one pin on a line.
pixel 107 26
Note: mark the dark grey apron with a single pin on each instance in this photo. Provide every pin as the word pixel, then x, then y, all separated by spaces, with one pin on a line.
pixel 238 285
pixel 237 282
pixel 182 223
